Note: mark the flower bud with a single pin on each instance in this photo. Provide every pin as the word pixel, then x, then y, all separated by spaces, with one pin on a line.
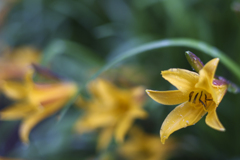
pixel 194 61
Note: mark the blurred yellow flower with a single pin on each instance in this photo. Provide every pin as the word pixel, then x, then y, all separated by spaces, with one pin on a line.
pixel 198 94
pixel 36 101
pixel 112 109
pixel 14 64
pixel 142 146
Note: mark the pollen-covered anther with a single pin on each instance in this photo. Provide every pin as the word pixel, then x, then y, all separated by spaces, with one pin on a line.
pixel 200 98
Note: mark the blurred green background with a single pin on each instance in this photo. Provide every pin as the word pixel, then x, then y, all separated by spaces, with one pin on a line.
pixel 78 37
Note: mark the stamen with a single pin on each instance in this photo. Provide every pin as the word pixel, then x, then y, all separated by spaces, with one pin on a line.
pixel 195 98
pixel 202 101
pixel 205 98
pixel 190 96
pixel 200 96
pixel 203 104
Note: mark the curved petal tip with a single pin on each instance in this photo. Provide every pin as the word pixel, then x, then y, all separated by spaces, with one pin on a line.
pixel 216 125
pixel 213 121
pixel 163 139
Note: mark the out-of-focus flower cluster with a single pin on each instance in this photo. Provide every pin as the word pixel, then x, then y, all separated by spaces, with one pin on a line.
pixel 143 146
pixel 110 110
pixel 33 102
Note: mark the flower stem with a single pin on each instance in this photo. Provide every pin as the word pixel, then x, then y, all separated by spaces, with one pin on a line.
pixel 179 42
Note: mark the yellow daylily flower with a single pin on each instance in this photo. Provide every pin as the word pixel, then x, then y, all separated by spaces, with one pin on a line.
pixel 198 94
pixel 14 64
pixel 143 146
pixel 112 109
pixel 36 101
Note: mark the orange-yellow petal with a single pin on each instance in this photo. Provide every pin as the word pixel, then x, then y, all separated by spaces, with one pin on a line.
pixel 104 91
pixel 14 90
pixel 138 94
pixel 220 92
pixel 132 147
pixel 42 93
pixel 93 121
pixel 29 122
pixel 212 118
pixel 122 127
pixel 168 97
pixel 137 112
pixel 182 116
pixel 105 138
pixel 14 64
pixel 25 56
pixel 206 78
pixel 182 79
pixel 17 111
pixel 126 121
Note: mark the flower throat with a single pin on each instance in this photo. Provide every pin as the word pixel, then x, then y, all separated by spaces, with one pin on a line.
pixel 200 98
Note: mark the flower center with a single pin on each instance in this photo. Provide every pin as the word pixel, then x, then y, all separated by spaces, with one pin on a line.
pixel 200 98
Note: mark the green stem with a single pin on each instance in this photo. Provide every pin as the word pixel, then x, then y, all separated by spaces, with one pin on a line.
pixel 181 42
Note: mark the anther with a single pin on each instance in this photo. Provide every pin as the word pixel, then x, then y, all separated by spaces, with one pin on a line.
pixel 205 98
pixel 203 103
pixel 195 98
pixel 200 96
pixel 190 96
